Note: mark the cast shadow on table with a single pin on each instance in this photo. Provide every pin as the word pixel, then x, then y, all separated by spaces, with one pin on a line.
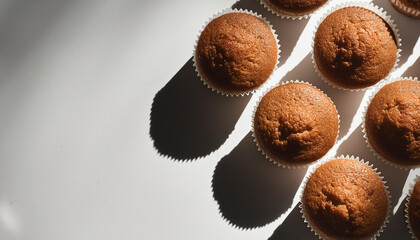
pixel 414 70
pixel 347 102
pixel 397 227
pixel 250 190
pixel 408 34
pixel 293 227
pixel 288 30
pixel 395 177
pixel 188 120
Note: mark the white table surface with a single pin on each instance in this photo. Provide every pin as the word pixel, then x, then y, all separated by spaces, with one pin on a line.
pixel 77 159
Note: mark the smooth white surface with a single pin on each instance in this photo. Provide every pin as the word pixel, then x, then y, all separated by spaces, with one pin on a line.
pixel 78 80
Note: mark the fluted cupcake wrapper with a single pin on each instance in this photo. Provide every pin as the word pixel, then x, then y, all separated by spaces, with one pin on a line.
pixel 400 6
pixel 375 90
pixel 313 228
pixel 288 15
pixel 223 12
pixel 410 192
pixel 380 12
pixel 285 164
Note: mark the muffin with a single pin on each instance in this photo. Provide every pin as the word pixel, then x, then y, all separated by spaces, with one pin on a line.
pixel 295 124
pixel 345 199
pixel 354 48
pixel 236 53
pixel 413 211
pixel 294 7
pixel 410 8
pixel 392 123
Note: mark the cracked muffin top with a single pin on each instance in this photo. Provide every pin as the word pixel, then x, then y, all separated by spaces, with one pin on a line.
pixel 354 48
pixel 236 53
pixel 296 7
pixel 295 124
pixel 345 199
pixel 414 210
pixel 392 122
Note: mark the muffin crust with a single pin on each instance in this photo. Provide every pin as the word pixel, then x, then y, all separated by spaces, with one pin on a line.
pixel 236 53
pixel 393 122
pixel 296 7
pixel 354 48
pixel 295 124
pixel 345 199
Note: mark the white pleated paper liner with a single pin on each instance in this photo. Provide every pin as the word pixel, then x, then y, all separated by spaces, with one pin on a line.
pixel 375 90
pixel 405 9
pixel 279 162
pixel 313 228
pixel 380 12
pixel 410 192
pixel 223 12
pixel 289 15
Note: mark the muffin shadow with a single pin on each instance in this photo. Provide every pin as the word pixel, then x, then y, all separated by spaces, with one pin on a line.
pixel 395 177
pixel 414 70
pixel 250 190
pixel 188 120
pixel 293 28
pixel 395 225
pixel 293 227
pixel 346 102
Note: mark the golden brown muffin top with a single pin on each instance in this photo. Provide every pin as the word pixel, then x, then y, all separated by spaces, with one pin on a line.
pixel 414 210
pixel 354 48
pixel 345 199
pixel 295 124
pixel 297 6
pixel 393 122
pixel 236 52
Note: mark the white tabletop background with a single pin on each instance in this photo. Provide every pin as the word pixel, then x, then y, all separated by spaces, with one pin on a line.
pixel 84 155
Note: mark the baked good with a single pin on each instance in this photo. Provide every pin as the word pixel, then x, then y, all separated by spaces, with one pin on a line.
pixel 392 122
pixel 295 7
pixel 354 48
pixel 410 8
pixel 413 210
pixel 236 53
pixel 345 199
pixel 295 124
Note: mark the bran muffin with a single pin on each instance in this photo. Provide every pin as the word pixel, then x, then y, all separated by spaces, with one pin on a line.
pixel 410 8
pixel 392 122
pixel 345 199
pixel 354 48
pixel 295 124
pixel 294 7
pixel 236 53
pixel 413 211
